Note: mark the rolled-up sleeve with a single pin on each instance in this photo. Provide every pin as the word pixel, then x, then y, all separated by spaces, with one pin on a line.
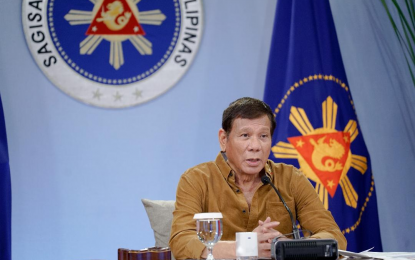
pixel 311 212
pixel 189 200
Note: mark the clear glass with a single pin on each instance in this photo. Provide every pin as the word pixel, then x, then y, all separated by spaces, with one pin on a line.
pixel 209 232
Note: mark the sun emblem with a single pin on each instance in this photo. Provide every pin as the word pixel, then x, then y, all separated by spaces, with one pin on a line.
pixel 113 53
pixel 115 21
pixel 324 154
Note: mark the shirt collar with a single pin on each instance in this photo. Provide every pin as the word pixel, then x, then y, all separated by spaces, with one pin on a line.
pixel 268 170
pixel 221 162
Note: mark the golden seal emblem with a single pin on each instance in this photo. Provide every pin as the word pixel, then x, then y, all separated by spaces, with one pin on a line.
pixel 324 153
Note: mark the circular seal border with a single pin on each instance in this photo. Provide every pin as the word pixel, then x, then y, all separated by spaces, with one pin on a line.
pixel 57 70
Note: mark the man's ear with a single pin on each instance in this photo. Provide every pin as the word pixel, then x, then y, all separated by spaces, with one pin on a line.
pixel 223 138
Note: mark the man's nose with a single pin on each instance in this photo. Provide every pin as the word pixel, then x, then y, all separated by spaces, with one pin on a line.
pixel 255 144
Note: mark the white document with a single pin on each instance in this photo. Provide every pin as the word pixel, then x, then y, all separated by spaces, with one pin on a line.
pixel 379 255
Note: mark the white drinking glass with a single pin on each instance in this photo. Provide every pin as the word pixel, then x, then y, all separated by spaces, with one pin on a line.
pixel 209 230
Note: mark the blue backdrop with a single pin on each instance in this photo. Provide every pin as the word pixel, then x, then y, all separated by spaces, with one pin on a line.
pixel 78 172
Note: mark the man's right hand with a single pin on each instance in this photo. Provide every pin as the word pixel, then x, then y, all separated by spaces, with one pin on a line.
pixel 266 233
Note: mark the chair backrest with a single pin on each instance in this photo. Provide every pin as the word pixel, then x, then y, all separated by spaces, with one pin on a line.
pixel 160 214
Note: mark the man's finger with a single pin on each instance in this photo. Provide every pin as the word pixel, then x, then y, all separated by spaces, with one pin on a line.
pixel 270 224
pixel 267 237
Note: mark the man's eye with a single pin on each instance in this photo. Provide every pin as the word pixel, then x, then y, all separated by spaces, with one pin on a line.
pixel 244 135
pixel 264 136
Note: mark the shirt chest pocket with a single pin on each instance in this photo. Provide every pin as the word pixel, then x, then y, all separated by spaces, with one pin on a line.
pixel 278 212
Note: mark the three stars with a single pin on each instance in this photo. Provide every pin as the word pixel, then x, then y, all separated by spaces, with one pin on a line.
pixel 117 96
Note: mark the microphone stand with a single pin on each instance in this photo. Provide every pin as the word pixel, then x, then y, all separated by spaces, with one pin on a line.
pixel 265 179
pixel 317 249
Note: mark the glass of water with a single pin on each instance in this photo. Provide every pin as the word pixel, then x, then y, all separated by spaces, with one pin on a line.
pixel 209 230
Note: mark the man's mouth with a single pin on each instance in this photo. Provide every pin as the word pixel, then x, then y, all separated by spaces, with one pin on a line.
pixel 253 161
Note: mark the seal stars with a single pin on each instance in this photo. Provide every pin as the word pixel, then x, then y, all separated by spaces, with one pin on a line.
pixel 137 93
pixel 97 94
pixel 117 96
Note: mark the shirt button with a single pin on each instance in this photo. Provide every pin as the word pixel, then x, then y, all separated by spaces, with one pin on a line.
pixel 230 174
pixel 243 211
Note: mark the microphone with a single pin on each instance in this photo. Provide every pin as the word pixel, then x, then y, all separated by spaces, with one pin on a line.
pixel 265 180
pixel 286 249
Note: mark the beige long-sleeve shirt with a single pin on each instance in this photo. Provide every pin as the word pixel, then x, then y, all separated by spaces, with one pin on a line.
pixel 210 187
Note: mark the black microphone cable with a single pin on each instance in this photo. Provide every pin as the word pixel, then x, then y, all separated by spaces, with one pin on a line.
pixel 265 180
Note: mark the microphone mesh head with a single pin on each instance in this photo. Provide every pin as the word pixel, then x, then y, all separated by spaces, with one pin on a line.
pixel 265 179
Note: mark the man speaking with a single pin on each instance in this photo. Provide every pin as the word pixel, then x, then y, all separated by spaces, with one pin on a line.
pixel 232 185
